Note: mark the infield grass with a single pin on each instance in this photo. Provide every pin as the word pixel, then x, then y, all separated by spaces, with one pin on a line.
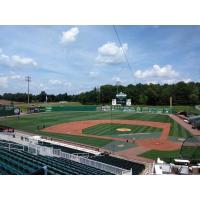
pixel 111 129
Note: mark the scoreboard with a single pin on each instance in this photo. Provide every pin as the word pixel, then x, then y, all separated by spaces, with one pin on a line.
pixel 121 98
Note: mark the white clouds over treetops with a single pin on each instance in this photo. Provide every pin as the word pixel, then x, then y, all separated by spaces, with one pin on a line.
pixel 110 53
pixel 70 35
pixel 5 80
pixel 93 74
pixel 16 60
pixel 157 72
pixel 117 80
pixel 59 82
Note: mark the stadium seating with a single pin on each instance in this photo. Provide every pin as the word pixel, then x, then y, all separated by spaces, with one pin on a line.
pixel 62 148
pixel 17 161
pixel 21 162
pixel 124 164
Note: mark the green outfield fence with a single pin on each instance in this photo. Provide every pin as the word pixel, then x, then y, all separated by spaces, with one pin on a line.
pixel 149 109
pixel 70 108
pixel 6 110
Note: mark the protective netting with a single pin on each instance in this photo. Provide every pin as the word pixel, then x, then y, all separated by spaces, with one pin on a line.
pixel 191 148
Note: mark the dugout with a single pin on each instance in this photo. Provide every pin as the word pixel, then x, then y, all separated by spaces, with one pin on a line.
pixel 35 109
pixel 6 129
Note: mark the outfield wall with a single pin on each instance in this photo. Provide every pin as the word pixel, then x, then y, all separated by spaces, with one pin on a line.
pixel 157 110
pixel 70 108
pixel 7 110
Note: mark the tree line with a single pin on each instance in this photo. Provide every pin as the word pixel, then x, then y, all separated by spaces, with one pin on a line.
pixel 144 94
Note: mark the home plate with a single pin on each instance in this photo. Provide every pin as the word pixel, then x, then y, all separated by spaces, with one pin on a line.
pixel 120 145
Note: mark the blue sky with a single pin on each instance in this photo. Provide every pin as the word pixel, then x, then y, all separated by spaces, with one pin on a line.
pixel 73 59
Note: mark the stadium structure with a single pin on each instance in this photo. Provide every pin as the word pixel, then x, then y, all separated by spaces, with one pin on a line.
pixel 25 154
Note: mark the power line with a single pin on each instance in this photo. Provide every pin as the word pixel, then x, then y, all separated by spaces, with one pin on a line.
pixel 130 68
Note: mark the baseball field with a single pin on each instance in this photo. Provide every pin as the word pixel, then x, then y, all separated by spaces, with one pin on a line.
pixel 125 133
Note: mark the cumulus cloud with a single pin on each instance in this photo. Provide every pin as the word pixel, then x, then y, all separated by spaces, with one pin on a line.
pixel 187 80
pixel 110 53
pixel 19 60
pixel 3 81
pixel 157 72
pixel 16 77
pixel 93 74
pixel 16 60
pixel 55 82
pixel 59 82
pixel 70 35
pixel 173 81
pixel 117 80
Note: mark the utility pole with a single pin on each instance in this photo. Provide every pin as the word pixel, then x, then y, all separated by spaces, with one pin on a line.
pixel 28 80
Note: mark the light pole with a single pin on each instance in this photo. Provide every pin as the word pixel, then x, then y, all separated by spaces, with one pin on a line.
pixel 99 95
pixel 118 84
pixel 28 80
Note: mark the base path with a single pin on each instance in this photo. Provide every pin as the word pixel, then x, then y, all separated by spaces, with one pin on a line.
pixel 75 128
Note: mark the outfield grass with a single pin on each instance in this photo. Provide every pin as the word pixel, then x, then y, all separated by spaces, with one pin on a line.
pixel 191 109
pixel 78 139
pixel 31 123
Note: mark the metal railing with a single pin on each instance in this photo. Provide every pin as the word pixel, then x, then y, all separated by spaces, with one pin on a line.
pixel 50 151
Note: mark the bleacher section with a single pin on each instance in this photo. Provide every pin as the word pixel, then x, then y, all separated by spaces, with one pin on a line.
pixel 16 161
pixel 62 148
pixel 125 164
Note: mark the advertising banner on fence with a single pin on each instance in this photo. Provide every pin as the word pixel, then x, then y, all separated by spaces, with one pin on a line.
pixel 128 102
pixel 114 102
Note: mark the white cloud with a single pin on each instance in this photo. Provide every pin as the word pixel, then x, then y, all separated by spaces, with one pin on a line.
pixel 16 60
pixel 16 77
pixel 55 82
pixel 157 72
pixel 110 53
pixel 187 80
pixel 3 81
pixel 19 60
pixel 117 80
pixel 68 84
pixel 93 74
pixel 173 81
pixel 70 35
pixel 59 83
pixel 152 82
pixel 41 85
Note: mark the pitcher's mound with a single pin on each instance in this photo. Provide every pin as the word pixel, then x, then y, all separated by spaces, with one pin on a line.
pixel 123 129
